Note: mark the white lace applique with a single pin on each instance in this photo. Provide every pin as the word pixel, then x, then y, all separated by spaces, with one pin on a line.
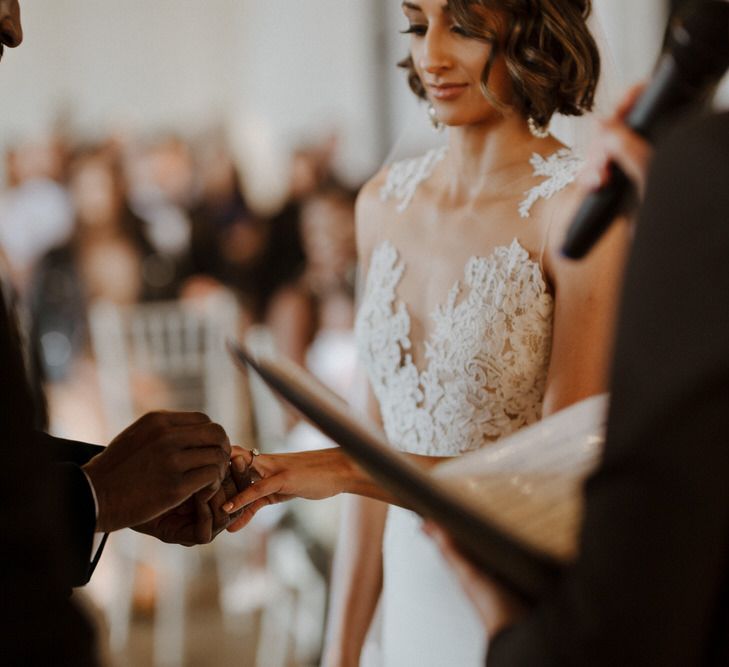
pixel 486 358
pixel 403 178
pixel 560 168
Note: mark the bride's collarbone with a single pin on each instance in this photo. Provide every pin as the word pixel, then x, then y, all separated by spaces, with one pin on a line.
pixel 427 229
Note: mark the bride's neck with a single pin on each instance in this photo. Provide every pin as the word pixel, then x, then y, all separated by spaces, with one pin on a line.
pixel 488 155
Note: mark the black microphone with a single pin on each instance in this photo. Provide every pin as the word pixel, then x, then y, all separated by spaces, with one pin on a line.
pixel 696 58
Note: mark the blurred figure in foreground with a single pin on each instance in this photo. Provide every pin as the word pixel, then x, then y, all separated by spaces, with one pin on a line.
pixel 650 586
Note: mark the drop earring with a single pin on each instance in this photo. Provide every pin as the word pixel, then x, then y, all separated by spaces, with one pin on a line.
pixel 538 131
pixel 437 125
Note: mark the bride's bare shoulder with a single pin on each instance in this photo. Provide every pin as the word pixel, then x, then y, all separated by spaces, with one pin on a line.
pixel 372 213
pixel 370 196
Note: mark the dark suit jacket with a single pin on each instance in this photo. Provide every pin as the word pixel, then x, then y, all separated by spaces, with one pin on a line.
pixel 68 457
pixel 651 586
pixel 46 526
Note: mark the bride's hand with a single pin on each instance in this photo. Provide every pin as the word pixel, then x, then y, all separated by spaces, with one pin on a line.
pixel 275 478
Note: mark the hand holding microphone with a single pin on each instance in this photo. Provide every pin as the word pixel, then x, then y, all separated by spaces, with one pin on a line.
pixel 616 144
pixel 697 57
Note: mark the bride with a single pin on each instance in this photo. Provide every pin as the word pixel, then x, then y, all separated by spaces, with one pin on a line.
pixel 471 325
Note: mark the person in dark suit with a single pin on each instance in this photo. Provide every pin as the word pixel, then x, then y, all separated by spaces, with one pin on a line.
pixel 166 475
pixel 651 584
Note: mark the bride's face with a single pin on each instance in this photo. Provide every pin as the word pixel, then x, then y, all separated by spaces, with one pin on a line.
pixel 450 63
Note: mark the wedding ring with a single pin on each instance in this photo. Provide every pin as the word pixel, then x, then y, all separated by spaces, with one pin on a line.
pixel 255 453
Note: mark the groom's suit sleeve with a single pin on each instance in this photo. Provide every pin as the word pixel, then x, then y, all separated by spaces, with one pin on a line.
pixel 80 505
pixel 651 586
pixel 39 624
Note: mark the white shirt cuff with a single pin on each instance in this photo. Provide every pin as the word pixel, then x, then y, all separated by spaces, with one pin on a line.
pixel 93 493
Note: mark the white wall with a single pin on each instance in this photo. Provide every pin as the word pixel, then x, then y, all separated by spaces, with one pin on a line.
pixel 300 66
pixel 634 31
pixel 309 69
pixel 155 62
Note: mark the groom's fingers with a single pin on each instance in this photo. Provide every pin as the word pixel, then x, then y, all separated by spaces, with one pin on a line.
pixel 204 523
pixel 240 471
pixel 200 457
pixel 197 435
pixel 196 480
pixel 174 418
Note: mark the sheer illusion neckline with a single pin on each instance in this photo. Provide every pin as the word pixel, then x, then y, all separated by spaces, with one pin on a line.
pixel 558 169
pixel 484 363
pixel 485 347
pixel 456 300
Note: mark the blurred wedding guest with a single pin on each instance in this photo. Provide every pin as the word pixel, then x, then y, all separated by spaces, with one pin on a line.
pixel 323 339
pixel 107 257
pixel 320 302
pixel 650 586
pixel 35 210
pixel 327 223
pixel 162 192
pixel 262 259
pixel 309 168
pixel 221 202
pixel 229 241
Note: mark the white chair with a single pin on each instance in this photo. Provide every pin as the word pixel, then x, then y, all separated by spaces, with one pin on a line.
pixel 181 344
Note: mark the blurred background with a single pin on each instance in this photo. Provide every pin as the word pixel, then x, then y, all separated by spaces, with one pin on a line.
pixel 175 172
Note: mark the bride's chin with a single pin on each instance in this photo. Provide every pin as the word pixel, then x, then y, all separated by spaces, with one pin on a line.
pixel 462 118
pixel 460 123
pixel 466 121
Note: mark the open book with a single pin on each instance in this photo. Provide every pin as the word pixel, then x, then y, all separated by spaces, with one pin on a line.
pixel 513 507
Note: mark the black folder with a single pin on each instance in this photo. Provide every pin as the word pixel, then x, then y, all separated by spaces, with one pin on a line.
pixel 524 570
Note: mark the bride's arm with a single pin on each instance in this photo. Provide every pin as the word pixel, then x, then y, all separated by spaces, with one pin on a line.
pixel 586 298
pixel 313 475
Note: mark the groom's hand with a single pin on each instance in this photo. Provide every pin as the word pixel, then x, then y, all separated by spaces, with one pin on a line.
pixel 187 524
pixel 155 467
pixel 195 521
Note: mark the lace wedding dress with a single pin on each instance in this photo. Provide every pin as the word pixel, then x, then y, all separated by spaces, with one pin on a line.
pixel 485 366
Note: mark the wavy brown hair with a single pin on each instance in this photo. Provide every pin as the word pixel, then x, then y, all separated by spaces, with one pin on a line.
pixel 551 57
